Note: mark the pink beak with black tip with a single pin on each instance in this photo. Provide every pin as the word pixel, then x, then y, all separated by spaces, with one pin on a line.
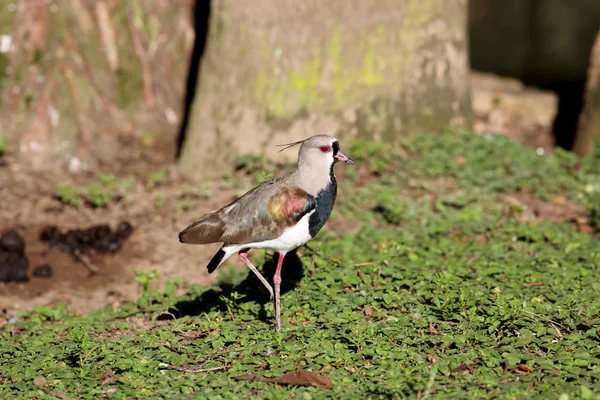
pixel 343 158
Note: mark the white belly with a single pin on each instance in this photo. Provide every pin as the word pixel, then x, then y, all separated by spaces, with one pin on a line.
pixel 292 237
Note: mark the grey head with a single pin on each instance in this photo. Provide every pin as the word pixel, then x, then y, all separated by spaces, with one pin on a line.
pixel 316 158
pixel 320 151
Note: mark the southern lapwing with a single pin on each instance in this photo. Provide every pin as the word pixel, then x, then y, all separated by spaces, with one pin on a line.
pixel 280 214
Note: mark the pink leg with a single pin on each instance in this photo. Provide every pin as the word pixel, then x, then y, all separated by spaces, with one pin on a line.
pixel 244 256
pixel 277 282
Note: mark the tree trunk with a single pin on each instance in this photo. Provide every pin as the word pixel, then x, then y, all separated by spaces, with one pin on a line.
pixel 92 81
pixel 588 135
pixel 375 69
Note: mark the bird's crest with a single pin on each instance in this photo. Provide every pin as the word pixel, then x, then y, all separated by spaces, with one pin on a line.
pixel 288 145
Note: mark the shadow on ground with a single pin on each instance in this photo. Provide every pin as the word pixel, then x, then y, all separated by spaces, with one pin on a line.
pixel 250 288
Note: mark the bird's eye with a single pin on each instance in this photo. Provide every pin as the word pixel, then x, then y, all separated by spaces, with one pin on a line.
pixel 325 149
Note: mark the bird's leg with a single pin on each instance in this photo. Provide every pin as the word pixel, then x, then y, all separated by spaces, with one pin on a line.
pixel 244 256
pixel 277 282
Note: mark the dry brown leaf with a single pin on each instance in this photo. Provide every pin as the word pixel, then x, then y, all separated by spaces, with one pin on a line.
pixel 108 378
pixel 432 329
pixel 293 322
pixel 40 381
pixel 59 395
pixel 245 377
pixel 368 311
pixel 463 369
pixel 302 378
pixel 522 369
pixel 530 284
pixel 306 323
pixel 460 160
pixel 347 290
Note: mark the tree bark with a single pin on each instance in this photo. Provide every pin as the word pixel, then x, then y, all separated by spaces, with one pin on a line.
pixel 588 134
pixel 95 81
pixel 377 69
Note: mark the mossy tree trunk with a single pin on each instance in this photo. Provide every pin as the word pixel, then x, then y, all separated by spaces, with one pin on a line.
pixel 92 81
pixel 588 134
pixel 361 68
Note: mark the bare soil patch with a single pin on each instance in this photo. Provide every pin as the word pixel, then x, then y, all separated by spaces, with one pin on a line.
pixel 29 205
pixel 558 209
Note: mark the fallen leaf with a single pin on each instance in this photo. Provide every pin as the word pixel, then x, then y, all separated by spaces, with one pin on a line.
pixel 347 290
pixel 522 369
pixel 306 323
pixel 293 322
pixel 432 329
pixel 463 369
pixel 108 378
pixel 59 395
pixel 194 334
pixel 530 284
pixel 368 311
pixel 302 378
pixel 40 381
pixel 245 377
pixel 460 160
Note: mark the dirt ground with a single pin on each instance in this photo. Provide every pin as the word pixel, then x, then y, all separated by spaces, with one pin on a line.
pixel 28 204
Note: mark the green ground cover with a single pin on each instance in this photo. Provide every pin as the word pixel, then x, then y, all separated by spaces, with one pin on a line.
pixel 433 286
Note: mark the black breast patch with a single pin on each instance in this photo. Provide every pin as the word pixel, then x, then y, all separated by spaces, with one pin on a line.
pixel 325 200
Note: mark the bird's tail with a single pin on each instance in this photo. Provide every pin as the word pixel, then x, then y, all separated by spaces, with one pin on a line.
pixel 217 260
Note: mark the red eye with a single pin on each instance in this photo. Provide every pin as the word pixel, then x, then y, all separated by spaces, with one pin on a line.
pixel 325 149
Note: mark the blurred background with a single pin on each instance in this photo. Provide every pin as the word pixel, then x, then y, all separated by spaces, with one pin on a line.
pixel 156 99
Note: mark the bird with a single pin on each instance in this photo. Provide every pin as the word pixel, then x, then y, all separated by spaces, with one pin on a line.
pixel 281 214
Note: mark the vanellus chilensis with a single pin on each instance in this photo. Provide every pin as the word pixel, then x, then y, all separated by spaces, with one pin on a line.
pixel 280 214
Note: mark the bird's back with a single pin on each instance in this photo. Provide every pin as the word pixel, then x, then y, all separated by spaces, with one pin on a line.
pixel 263 213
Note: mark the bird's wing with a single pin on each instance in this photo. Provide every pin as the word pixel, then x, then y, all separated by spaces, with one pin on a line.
pixel 261 214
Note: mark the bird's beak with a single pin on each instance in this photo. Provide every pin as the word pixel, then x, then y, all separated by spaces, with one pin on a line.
pixel 343 158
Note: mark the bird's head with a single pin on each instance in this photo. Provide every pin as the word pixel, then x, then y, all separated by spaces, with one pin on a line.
pixel 320 151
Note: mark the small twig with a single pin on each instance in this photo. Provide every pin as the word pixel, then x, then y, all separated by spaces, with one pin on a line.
pixel 193 369
pixel 550 321
pixel 552 324
pixel 364 264
pixel 85 261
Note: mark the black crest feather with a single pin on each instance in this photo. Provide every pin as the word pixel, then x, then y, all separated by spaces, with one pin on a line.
pixel 288 145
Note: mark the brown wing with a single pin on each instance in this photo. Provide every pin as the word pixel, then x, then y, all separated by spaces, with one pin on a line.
pixel 261 214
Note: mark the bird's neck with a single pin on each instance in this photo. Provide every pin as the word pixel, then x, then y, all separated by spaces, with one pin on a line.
pixel 314 180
